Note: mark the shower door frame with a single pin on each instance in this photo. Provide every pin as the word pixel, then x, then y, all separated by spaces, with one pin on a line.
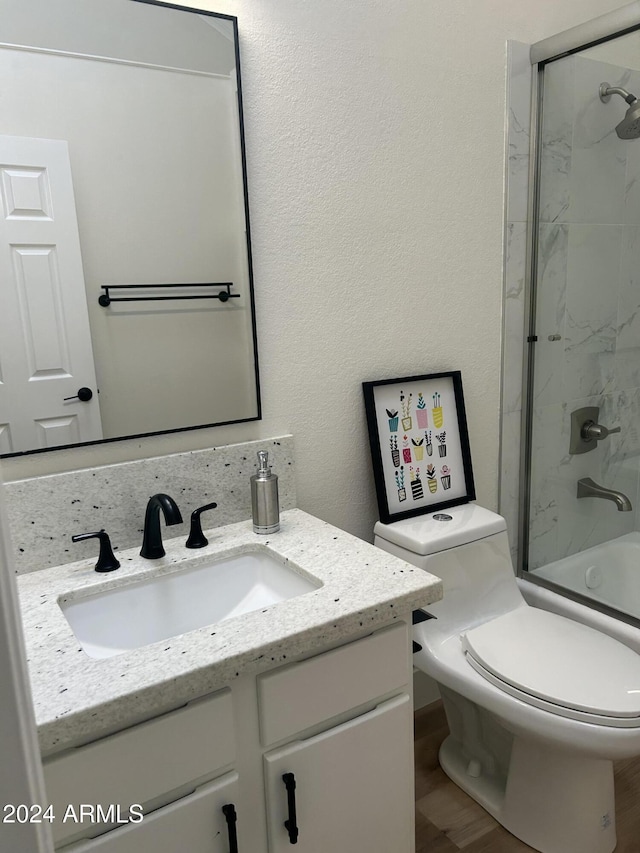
pixel 602 29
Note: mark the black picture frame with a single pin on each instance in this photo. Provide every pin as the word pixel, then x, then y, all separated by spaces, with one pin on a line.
pixel 419 444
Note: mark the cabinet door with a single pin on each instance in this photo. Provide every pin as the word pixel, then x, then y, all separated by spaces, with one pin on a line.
pixel 354 786
pixel 195 824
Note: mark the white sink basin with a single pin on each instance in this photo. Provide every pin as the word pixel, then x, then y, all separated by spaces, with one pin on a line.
pixel 111 622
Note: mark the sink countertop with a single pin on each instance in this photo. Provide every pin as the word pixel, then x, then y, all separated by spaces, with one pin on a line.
pixel 78 698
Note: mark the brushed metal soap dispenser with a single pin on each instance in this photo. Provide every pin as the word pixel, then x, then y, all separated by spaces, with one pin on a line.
pixel 264 497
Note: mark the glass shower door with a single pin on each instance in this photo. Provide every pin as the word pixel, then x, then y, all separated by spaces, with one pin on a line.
pixel 586 313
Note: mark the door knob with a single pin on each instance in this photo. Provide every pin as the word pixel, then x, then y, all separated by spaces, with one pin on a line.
pixel 84 395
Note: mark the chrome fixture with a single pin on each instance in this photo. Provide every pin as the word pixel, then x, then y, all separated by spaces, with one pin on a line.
pixel 152 547
pixel 629 127
pixel 586 432
pixel 588 489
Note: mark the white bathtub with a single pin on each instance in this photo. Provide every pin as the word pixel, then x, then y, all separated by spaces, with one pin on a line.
pixel 608 573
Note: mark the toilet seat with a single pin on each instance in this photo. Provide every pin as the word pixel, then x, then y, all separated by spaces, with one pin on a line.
pixel 554 663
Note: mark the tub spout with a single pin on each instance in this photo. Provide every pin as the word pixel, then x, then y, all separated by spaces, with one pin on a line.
pixel 588 489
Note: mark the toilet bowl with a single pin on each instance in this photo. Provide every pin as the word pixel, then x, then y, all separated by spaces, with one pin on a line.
pixel 538 706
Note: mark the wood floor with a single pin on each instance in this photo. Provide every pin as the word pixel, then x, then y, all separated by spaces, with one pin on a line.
pixel 447 820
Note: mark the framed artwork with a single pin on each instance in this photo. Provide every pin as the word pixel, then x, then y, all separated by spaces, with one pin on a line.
pixel 419 444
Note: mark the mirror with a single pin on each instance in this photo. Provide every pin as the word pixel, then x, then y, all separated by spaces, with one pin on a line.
pixel 122 177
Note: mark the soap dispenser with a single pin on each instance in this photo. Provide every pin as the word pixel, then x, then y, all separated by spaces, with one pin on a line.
pixel 264 497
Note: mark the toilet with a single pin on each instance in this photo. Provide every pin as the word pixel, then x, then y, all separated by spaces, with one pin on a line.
pixel 538 706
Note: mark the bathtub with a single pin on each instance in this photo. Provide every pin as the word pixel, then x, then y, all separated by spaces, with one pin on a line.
pixel 608 574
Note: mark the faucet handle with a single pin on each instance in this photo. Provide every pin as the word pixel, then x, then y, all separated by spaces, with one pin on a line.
pixel 586 432
pixel 197 539
pixel 107 561
pixel 591 430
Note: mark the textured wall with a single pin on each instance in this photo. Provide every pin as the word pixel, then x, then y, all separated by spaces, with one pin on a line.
pixel 375 144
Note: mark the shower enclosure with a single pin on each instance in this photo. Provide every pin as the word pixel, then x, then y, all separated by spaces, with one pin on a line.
pixel 580 473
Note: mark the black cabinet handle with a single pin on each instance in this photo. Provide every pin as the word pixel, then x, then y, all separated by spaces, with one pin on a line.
pixel 231 817
pixel 290 825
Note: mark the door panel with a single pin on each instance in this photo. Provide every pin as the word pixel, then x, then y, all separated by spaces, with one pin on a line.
pixel 354 786
pixel 37 281
pixel 45 342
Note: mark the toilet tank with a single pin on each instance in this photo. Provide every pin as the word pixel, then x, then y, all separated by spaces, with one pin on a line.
pixel 467 547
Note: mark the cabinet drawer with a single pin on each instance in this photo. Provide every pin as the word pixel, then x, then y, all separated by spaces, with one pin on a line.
pixel 195 824
pixel 144 761
pixel 304 694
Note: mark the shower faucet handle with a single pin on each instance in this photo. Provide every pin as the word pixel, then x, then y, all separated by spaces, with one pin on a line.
pixel 586 432
pixel 591 430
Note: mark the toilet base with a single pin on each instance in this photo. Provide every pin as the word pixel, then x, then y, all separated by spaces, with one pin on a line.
pixel 554 801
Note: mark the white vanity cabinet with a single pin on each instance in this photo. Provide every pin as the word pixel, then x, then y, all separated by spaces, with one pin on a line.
pixel 338 723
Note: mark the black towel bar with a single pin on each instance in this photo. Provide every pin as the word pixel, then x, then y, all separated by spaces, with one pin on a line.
pixel 105 299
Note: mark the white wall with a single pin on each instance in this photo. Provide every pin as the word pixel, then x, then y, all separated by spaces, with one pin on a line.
pixel 375 145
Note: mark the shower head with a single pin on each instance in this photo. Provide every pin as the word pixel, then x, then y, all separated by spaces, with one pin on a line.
pixel 629 127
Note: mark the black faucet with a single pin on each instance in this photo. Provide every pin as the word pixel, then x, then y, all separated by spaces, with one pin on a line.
pixel 197 539
pixel 107 561
pixel 152 547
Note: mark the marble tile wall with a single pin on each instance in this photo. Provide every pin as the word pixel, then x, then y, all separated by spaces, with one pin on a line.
pixel 589 295
pixel 114 497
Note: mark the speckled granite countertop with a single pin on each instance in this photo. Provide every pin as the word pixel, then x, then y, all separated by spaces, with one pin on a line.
pixel 77 697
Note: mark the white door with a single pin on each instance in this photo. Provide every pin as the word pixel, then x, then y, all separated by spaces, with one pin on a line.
pixel 194 824
pixel 354 786
pixel 45 342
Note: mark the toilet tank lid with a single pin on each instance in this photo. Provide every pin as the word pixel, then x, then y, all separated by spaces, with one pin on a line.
pixel 427 534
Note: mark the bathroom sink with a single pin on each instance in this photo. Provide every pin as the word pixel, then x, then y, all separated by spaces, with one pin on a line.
pixel 158 608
